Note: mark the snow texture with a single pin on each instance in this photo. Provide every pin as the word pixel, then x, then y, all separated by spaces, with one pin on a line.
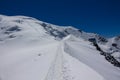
pixel 34 50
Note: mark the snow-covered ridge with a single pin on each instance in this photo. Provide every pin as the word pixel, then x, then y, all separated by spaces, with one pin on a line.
pixel 35 50
pixel 28 28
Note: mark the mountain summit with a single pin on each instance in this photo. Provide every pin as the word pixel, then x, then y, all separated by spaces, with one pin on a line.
pixel 35 50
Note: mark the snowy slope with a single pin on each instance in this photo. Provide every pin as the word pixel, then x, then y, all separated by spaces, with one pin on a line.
pixel 20 26
pixel 87 54
pixel 34 50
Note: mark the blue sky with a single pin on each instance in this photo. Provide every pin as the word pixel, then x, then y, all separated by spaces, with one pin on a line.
pixel 98 16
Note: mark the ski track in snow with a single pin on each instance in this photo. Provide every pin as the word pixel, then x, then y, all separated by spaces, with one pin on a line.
pixel 51 64
pixel 65 67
